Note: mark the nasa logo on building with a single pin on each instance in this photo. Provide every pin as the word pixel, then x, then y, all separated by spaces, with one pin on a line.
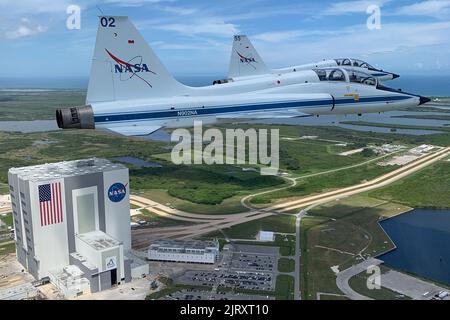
pixel 117 192
pixel 111 263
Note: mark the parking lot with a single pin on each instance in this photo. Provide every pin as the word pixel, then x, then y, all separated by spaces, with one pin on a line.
pixel 245 261
pixel 246 267
pixel 235 279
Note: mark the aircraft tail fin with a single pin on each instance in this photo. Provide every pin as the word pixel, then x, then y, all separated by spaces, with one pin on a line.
pixel 125 67
pixel 245 60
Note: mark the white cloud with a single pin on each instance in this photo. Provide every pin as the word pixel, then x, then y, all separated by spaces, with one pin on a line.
pixel 399 40
pixel 347 7
pixel 178 10
pixel 216 28
pixel 135 3
pixel 434 8
pixel 25 29
pixel 291 35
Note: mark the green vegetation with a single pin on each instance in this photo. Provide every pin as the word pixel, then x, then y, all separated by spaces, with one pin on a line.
pixel 172 287
pixel 210 185
pixel 395 126
pixel 428 188
pixel 228 206
pixel 7 247
pixel 286 244
pixel 133 206
pixel 249 230
pixel 202 184
pixel 325 182
pixel 284 287
pixel 286 265
pixel 425 116
pixel 22 105
pixel 7 219
pixel 335 234
pixel 359 284
pixel 4 188
pixel 221 288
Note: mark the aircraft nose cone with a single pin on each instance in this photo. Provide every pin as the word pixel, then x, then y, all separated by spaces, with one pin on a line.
pixel 424 100
pixel 395 76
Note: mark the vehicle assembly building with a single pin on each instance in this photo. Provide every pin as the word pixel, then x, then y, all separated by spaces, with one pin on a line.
pixel 72 223
pixel 191 251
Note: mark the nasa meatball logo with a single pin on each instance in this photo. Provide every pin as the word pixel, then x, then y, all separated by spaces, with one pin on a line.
pixel 117 192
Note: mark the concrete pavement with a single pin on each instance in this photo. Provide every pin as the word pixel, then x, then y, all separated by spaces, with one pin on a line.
pixel 343 277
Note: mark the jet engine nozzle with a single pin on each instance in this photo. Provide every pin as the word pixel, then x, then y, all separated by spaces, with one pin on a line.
pixel 75 118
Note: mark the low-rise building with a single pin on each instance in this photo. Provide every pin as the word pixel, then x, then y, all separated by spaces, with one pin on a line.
pixel 266 236
pixel 191 251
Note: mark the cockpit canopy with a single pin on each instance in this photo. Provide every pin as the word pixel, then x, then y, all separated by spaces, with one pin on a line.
pixel 345 75
pixel 331 74
pixel 362 77
pixel 346 62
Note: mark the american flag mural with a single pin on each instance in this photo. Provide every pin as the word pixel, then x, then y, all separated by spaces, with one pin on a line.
pixel 50 203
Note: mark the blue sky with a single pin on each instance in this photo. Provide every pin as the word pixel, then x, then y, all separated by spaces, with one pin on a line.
pixel 194 37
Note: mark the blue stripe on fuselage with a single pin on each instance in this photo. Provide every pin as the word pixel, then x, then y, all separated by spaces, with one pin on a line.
pixel 237 108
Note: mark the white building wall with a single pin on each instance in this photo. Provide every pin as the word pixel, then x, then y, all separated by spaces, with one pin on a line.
pixel 51 241
pixel 92 256
pixel 117 214
pixel 181 257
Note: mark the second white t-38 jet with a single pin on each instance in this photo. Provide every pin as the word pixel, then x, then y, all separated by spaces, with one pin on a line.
pixel 246 62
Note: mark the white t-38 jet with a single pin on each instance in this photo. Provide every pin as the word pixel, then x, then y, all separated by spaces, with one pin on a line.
pixel 246 62
pixel 130 91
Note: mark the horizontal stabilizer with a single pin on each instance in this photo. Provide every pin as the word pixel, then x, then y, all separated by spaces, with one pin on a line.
pixel 135 130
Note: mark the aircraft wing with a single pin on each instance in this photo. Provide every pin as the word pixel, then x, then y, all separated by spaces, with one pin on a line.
pixel 266 115
pixel 135 130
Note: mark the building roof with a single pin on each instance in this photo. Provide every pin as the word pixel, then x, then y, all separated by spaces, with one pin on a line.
pixel 99 240
pixel 184 244
pixel 65 169
pixel 266 235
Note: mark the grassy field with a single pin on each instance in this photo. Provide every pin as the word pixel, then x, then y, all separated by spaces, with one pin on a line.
pixel 7 219
pixel 227 206
pixel 4 188
pixel 286 243
pixel 286 265
pixel 284 287
pixel 425 116
pixel 7 247
pixel 337 234
pixel 172 287
pixel 428 188
pixel 21 105
pixel 395 126
pixel 249 230
pixel 325 182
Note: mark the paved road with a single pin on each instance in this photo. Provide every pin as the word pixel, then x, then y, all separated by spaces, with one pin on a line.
pixel 343 277
pixel 298 253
